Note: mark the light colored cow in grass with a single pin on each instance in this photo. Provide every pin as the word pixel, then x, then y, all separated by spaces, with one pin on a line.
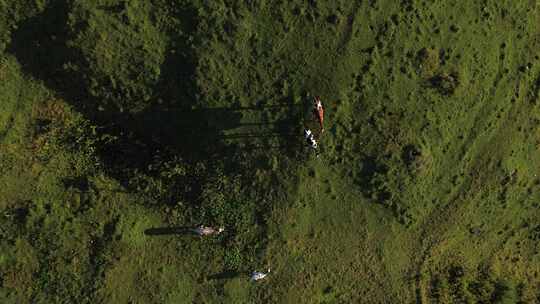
pixel 256 275
pixel 206 230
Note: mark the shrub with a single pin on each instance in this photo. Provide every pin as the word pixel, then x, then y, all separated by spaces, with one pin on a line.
pixel 428 62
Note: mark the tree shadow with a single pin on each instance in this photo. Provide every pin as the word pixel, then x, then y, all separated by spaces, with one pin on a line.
pixel 173 121
pixel 80 183
pixel 42 46
pixel 39 44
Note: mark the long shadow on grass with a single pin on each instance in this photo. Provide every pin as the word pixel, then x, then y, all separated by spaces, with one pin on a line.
pixel 259 135
pixel 227 275
pixel 172 128
pixel 171 121
pixel 170 231
pixel 161 130
pixel 39 43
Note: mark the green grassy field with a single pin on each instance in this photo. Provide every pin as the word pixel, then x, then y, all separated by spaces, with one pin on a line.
pixel 121 121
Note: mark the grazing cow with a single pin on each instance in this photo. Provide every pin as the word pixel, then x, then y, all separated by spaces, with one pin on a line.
pixel 318 111
pixel 310 139
pixel 256 275
pixel 205 231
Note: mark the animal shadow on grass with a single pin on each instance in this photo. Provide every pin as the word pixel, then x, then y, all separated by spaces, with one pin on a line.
pixel 228 275
pixel 184 230
pixel 258 135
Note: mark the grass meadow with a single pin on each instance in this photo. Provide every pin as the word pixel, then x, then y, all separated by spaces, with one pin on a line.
pixel 123 121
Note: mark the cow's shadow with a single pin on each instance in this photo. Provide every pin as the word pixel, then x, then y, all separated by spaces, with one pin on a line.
pixel 228 275
pixel 170 231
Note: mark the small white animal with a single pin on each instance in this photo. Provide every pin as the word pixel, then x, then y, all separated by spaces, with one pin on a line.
pixel 310 138
pixel 255 276
pixel 204 230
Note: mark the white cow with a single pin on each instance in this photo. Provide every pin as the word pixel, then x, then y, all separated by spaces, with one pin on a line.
pixel 310 139
pixel 205 230
pixel 256 275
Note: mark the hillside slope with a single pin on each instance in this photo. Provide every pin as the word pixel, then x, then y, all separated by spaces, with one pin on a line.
pixel 123 122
